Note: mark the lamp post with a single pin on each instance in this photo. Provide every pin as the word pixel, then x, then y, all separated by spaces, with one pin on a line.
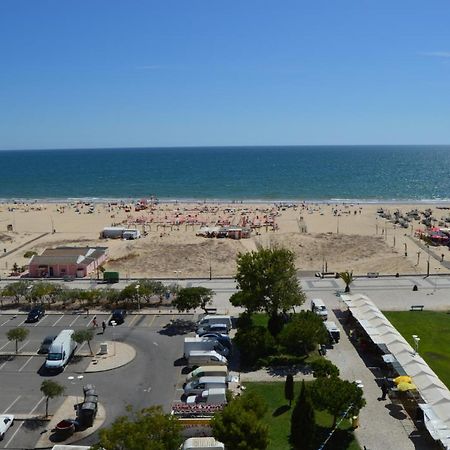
pixel 137 297
pixel 416 340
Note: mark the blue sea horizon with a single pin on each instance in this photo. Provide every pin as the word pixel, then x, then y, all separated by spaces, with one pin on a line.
pixel 365 174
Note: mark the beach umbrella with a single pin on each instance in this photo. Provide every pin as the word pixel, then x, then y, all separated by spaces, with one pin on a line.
pixel 403 379
pixel 403 387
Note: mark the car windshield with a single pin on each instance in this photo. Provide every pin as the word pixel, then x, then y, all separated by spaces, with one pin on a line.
pixel 54 356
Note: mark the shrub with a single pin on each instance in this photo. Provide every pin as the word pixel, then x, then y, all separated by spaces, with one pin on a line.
pixel 281 360
pixel 324 368
pixel 254 343
pixel 29 254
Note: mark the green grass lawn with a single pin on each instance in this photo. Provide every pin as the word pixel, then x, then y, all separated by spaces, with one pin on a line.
pixel 433 328
pixel 278 418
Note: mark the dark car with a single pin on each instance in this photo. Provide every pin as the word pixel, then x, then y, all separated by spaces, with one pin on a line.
pixel 46 344
pixel 222 338
pixel 118 316
pixel 36 314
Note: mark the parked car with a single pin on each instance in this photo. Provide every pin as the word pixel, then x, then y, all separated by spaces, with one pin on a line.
pixel 213 328
pixel 6 421
pixel 118 316
pixel 46 344
pixel 224 339
pixel 36 314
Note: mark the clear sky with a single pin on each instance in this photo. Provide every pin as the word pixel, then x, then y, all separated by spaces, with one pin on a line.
pixel 109 73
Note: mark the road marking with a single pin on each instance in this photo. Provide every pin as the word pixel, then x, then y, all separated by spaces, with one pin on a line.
pixel 58 320
pixel 9 320
pixel 39 321
pixel 151 321
pixel 10 358
pixel 11 405
pixel 26 362
pixel 155 343
pixel 74 320
pixel 20 426
pixel 23 321
pixel 132 320
pixel 3 346
pixel 27 342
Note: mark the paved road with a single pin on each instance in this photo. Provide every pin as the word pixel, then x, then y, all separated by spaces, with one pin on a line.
pixel 150 379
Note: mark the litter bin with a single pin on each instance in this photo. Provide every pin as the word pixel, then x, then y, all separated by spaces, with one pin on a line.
pixel 87 414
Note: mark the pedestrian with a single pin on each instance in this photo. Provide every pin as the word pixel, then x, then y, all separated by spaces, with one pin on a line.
pixel 384 389
pixel 94 322
pixel 103 327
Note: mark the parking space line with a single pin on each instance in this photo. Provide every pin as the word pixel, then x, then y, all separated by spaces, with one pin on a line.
pixel 11 405
pixel 131 322
pixel 74 320
pixel 58 320
pixel 151 321
pixel 23 321
pixel 9 320
pixel 27 342
pixel 20 426
pixel 26 362
pixel 10 358
pixel 3 346
pixel 40 321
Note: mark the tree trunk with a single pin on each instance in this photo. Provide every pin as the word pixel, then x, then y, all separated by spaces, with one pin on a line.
pixel 17 346
pixel 89 345
pixel 46 407
pixel 347 288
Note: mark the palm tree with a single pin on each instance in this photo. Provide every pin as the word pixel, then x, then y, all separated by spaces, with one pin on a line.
pixel 347 278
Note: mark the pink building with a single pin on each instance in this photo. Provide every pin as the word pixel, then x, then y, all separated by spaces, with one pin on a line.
pixel 61 262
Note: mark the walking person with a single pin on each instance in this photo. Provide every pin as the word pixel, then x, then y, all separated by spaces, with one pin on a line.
pixel 384 389
pixel 94 322
pixel 103 327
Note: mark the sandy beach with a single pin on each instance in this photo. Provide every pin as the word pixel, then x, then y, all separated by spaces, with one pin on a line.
pixel 334 237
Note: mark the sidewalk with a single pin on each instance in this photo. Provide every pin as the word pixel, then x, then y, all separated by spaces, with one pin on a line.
pixel 118 354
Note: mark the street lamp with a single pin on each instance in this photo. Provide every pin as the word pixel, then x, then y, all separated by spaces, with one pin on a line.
pixel 416 343
pixel 137 297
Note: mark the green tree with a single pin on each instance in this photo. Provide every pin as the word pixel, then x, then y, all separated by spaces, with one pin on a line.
pixel 303 333
pixel 146 429
pixel 51 389
pixel 84 335
pixel 254 342
pixel 267 281
pixel 336 396
pixel 18 334
pixel 289 388
pixel 322 367
pixel 44 290
pixel 142 290
pixel 239 425
pixel 17 290
pixel 347 278
pixel 192 298
pixel 303 422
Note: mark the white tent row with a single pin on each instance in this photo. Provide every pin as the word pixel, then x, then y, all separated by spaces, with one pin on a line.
pixel 433 392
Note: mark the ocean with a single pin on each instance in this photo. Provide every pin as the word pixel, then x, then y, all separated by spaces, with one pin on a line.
pixel 275 173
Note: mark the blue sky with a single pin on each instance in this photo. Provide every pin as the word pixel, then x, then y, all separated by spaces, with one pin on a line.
pixel 189 72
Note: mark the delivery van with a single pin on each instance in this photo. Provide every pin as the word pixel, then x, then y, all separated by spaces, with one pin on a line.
pixel 204 384
pixel 215 319
pixel 202 443
pixel 198 358
pixel 60 351
pixel 209 397
pixel 207 371
pixel 318 307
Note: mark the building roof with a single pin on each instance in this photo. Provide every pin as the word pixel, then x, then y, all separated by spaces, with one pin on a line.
pixel 68 255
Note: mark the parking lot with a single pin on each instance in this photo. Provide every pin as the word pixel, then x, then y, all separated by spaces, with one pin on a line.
pixel 151 378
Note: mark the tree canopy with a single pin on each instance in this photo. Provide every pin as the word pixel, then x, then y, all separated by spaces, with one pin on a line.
pixel 146 429
pixel 193 297
pixel 239 424
pixel 336 396
pixel 303 333
pixel 303 423
pixel 84 335
pixel 51 389
pixel 18 334
pixel 267 281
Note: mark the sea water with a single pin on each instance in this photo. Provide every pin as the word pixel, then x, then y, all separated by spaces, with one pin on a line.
pixel 275 173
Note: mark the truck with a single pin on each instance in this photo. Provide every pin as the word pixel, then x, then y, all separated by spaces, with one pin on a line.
pixel 209 397
pixel 61 350
pixel 202 443
pixel 198 343
pixel 111 277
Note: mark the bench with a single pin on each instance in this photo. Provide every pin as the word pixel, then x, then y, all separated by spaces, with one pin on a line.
pixel 416 308
pixel 211 310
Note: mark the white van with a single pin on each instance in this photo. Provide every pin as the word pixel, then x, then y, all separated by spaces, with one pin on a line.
pixel 205 358
pixel 198 343
pixel 60 351
pixel 318 307
pixel 207 371
pixel 215 319
pixel 203 384
pixel 202 443
pixel 216 396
